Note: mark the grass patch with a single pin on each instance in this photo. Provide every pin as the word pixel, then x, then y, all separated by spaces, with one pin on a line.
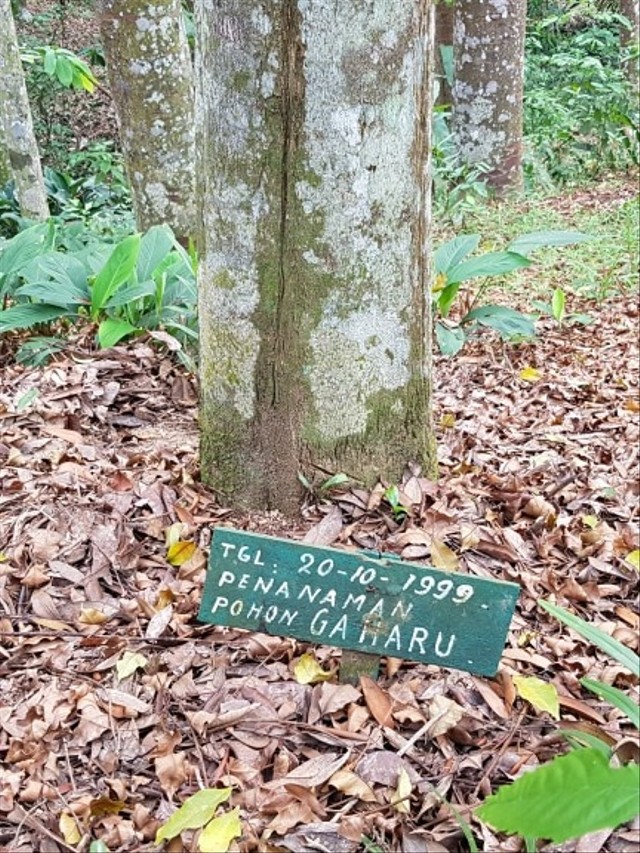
pixel 604 267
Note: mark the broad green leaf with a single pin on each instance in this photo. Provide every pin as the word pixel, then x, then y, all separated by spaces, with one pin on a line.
pixel 129 663
pixel 112 330
pixel 59 266
pixel 154 247
pixel 62 294
pixel 617 698
pixel 578 739
pixel 558 304
pixel 64 71
pixel 308 671
pixel 543 696
pixel 452 253
pixel 130 293
pixel 603 641
pixel 450 340
pixel 447 297
pixel 569 797
pixel 218 835
pixel 195 812
pixel 98 846
pixel 508 322
pixel 334 481
pixel 527 243
pixel 115 272
pixel 492 263
pixel 21 249
pixel 26 316
pixel 49 61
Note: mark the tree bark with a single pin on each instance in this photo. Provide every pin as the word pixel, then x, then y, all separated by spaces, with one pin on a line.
pixel 314 141
pixel 151 79
pixel 631 11
pixel 443 38
pixel 17 133
pixel 487 91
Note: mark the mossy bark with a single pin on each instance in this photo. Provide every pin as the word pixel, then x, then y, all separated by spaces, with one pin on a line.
pixel 16 134
pixel 487 91
pixel 313 170
pixel 151 79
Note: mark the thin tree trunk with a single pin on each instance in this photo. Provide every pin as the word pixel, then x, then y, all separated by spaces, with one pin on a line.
pixel 151 78
pixel 17 133
pixel 631 10
pixel 487 91
pixel 314 122
pixel 443 38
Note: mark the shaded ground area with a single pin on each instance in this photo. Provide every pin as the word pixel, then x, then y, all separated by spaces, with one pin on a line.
pixel 98 467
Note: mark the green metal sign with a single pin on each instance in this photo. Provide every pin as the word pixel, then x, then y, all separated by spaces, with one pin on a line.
pixel 356 600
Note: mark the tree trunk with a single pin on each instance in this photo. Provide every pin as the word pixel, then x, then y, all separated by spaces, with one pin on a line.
pixel 314 123
pixel 17 133
pixel 444 38
pixel 631 11
pixel 151 78
pixel 487 91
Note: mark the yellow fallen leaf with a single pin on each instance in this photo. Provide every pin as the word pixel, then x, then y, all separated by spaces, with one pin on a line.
pixel 194 813
pixel 530 374
pixel 91 616
pixel 180 552
pixel 308 671
pixel 442 557
pixel 591 521
pixel 68 826
pixel 401 800
pixel 540 694
pixel 633 558
pixel 448 420
pixel 218 835
pixel 129 663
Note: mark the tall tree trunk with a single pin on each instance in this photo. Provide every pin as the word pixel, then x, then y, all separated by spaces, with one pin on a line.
pixel 17 133
pixel 314 145
pixel 487 91
pixel 631 10
pixel 443 39
pixel 151 78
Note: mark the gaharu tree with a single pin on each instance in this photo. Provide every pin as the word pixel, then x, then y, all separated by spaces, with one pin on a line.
pixel 20 157
pixel 151 79
pixel 488 85
pixel 314 135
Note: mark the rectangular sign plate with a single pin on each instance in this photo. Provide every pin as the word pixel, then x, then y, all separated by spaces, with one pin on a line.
pixel 356 600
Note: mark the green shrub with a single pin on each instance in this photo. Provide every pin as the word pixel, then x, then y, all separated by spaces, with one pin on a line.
pixel 580 114
pixel 52 273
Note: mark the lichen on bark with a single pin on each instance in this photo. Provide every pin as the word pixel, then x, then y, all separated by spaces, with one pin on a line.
pixel 314 304
pixel 151 79
pixel 488 86
pixel 21 157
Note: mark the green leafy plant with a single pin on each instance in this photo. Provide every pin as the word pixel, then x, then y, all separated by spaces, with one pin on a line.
pixel 66 67
pixel 455 266
pixel 557 309
pixel 142 283
pixel 582 791
pixel 580 112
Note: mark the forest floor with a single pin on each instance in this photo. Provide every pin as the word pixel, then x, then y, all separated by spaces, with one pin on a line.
pixel 538 447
